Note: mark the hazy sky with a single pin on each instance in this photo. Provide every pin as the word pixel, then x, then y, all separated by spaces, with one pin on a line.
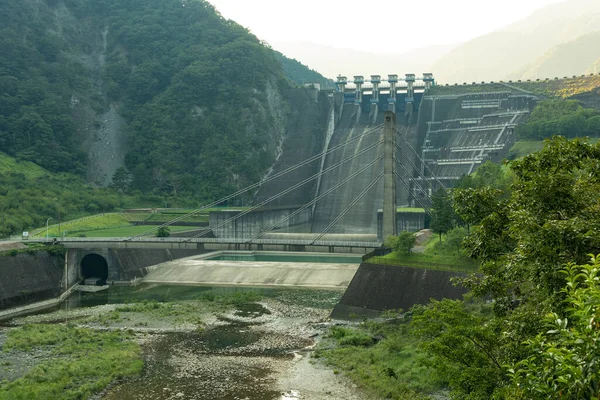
pixel 353 23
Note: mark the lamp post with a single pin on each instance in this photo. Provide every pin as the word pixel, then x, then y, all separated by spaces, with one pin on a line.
pixel 48 220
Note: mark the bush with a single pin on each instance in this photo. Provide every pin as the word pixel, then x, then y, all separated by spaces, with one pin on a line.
pixel 405 242
pixel 163 231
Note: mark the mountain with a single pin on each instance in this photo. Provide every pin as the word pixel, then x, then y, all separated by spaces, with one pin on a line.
pixel 327 60
pixel 300 74
pixel 502 54
pixel 571 58
pixel 176 98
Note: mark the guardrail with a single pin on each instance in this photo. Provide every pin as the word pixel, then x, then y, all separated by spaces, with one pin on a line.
pixel 420 264
pixel 211 240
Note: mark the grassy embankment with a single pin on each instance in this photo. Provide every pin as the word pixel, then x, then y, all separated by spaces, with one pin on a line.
pixel 123 224
pixel 444 256
pixel 83 361
pixel 392 368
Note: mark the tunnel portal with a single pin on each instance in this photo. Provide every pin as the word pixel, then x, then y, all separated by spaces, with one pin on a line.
pixel 94 266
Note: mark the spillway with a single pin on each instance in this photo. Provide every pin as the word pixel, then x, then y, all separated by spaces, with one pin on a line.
pixel 447 133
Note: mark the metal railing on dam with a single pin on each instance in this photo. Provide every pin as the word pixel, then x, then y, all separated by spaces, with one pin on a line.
pixel 234 241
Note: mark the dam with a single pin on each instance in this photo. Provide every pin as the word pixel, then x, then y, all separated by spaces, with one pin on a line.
pixel 441 133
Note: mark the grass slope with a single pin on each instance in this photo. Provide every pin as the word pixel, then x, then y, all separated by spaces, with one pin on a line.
pixel 392 368
pixel 83 361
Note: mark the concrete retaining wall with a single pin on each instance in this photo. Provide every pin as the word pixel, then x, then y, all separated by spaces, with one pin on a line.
pixel 27 278
pixel 377 288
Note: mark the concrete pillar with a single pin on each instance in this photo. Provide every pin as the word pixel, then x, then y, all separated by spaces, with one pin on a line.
pixel 375 81
pixel 410 89
pixel 389 179
pixel 428 79
pixel 358 81
pixel 393 81
pixel 342 81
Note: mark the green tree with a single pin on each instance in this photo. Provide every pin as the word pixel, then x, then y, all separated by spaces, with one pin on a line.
pixel 464 347
pixel 443 216
pixel 564 358
pixel 473 205
pixel 121 180
pixel 163 231
pixel 404 243
pixel 548 218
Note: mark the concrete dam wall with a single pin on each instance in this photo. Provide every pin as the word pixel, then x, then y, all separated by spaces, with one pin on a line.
pixel 446 135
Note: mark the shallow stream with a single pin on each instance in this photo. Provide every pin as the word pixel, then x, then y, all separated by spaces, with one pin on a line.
pixel 255 347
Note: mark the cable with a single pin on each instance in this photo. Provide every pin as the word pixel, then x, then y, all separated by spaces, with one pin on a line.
pixel 329 191
pixel 258 184
pixel 415 182
pixel 335 221
pixel 288 190
pixel 407 186
pixel 414 166
pixel 420 159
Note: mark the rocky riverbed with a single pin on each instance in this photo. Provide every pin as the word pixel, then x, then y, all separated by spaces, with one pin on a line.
pixel 199 349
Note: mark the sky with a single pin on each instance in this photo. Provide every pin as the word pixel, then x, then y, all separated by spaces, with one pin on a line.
pixel 352 23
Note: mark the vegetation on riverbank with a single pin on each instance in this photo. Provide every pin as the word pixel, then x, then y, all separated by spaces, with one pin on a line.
pixel 382 358
pixel 82 362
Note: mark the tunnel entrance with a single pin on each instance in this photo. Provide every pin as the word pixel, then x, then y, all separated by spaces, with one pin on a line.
pixel 94 266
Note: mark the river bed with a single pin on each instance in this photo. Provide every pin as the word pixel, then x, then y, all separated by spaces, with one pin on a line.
pixel 211 343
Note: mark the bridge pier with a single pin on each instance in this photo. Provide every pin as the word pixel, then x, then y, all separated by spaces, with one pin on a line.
pixel 389 178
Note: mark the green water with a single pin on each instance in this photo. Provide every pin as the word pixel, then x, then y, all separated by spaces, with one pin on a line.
pixel 298 258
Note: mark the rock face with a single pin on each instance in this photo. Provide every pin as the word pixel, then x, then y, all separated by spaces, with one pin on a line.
pixel 158 93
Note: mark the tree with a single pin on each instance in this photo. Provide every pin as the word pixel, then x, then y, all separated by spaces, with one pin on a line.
pixel 473 205
pixel 163 231
pixel 404 243
pixel 464 347
pixel 542 322
pixel 121 180
pixel 443 216
pixel 564 358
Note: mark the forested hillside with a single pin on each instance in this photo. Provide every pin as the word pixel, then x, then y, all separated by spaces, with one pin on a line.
pixel 188 101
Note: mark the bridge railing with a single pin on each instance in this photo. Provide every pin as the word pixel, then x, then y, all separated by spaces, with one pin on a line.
pixel 306 242
pixel 421 265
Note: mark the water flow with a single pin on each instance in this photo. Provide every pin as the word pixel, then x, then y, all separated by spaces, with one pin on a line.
pixel 362 218
pixel 330 130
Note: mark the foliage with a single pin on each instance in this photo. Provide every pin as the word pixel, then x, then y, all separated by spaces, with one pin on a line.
pixel 564 359
pixel 405 243
pixel 473 205
pixel 443 217
pixel 197 91
pixel 301 74
pixel 464 348
pixel 401 244
pixel 548 218
pixel 452 246
pixel 391 368
pixel 84 361
pixel 37 81
pixel 163 231
pixel 567 118
pixel 489 174
pixel 29 195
